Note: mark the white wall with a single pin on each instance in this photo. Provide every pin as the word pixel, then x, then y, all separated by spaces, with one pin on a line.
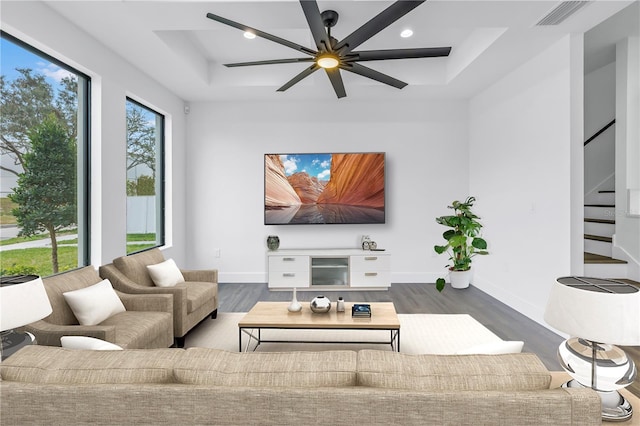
pixel 426 168
pixel 113 80
pixel 521 160
pixel 599 109
pixel 627 238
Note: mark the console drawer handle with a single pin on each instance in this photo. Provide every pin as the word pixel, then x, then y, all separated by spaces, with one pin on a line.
pixel 288 259
pixel 288 274
pixel 370 274
pixel 371 258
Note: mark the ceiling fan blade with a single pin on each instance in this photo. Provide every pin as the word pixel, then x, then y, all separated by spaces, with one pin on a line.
pixel 373 74
pixel 270 62
pixel 381 55
pixel 307 72
pixel 314 19
pixel 336 82
pixel 378 23
pixel 262 34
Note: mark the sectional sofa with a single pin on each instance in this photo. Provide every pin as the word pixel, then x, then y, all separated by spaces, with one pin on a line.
pixel 52 385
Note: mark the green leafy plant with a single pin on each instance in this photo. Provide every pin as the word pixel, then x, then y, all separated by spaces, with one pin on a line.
pixel 463 240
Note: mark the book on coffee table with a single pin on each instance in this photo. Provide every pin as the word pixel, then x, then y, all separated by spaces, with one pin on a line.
pixel 361 310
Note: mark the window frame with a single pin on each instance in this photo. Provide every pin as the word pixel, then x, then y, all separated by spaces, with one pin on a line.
pixel 83 166
pixel 161 218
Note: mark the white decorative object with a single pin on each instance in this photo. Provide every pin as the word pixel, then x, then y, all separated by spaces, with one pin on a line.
pixel 340 305
pixel 460 279
pixel 165 274
pixel 294 306
pixel 94 304
pixel 86 342
pixel 493 348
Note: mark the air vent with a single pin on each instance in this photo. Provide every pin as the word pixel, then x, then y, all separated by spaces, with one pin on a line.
pixel 562 12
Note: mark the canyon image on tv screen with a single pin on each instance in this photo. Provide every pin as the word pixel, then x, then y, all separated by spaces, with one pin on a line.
pixel 324 188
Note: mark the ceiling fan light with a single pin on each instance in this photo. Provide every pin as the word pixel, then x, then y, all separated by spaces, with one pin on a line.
pixel 328 61
pixel 249 35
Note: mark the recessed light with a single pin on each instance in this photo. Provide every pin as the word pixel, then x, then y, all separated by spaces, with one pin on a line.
pixel 406 33
pixel 249 35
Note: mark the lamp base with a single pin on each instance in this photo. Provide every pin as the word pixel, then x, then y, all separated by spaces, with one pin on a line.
pixel 615 408
pixel 12 341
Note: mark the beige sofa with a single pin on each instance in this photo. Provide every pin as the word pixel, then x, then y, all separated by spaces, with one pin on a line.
pixel 48 385
pixel 146 324
pixel 193 300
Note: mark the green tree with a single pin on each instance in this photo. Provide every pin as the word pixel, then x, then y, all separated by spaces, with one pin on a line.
pixel 24 102
pixel 141 139
pixel 46 192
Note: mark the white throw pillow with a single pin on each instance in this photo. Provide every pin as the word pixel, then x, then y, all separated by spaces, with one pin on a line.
pixel 86 342
pixel 94 304
pixel 165 274
pixel 494 348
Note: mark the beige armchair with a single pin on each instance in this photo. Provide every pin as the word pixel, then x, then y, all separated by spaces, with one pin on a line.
pixel 147 322
pixel 193 300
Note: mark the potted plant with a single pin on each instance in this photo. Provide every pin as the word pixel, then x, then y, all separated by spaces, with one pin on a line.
pixel 463 243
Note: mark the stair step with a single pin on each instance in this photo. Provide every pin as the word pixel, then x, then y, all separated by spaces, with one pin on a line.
pixel 596 258
pixel 593 220
pixel 598 238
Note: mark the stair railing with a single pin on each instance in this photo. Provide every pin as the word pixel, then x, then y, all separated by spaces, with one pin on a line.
pixel 601 131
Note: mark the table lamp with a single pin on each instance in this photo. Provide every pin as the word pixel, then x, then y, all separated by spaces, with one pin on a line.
pixel 597 313
pixel 23 300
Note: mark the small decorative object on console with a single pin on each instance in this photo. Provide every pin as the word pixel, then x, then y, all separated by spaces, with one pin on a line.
pixel 340 305
pixel 294 306
pixel 273 242
pixel 361 310
pixel 320 304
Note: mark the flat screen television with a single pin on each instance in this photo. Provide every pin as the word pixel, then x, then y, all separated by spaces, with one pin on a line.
pixel 324 188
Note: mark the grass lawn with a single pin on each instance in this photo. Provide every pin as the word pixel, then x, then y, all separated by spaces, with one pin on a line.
pixel 38 260
pixel 6 205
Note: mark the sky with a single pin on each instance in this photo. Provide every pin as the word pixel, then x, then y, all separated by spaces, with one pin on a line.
pixel 13 56
pixel 315 165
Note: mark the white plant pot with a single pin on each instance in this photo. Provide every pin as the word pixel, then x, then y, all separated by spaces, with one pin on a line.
pixel 460 279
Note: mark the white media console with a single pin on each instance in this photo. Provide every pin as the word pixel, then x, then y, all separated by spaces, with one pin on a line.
pixel 329 269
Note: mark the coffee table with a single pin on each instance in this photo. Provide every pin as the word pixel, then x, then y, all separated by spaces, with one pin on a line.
pixel 274 315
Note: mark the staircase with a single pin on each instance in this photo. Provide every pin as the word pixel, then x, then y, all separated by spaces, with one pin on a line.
pixel 599 227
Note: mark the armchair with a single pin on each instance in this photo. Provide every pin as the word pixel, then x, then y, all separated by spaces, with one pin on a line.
pixel 193 300
pixel 146 323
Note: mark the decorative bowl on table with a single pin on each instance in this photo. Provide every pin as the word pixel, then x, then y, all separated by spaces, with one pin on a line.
pixel 320 305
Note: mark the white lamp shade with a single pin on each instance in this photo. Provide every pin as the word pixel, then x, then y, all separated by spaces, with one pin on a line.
pixel 22 304
pixel 591 312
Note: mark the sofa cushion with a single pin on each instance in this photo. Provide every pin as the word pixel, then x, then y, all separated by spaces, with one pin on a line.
pixel 511 372
pixel 165 274
pixel 94 304
pixel 49 364
pixel 203 366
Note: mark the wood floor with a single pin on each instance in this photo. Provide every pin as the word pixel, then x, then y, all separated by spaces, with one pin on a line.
pixel 505 322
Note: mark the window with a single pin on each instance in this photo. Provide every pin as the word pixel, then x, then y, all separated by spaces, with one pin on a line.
pixel 145 177
pixel 44 150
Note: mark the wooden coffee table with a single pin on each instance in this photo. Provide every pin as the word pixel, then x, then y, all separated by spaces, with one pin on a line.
pixel 274 315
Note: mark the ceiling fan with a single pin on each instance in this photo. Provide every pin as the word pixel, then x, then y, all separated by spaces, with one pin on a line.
pixel 334 55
